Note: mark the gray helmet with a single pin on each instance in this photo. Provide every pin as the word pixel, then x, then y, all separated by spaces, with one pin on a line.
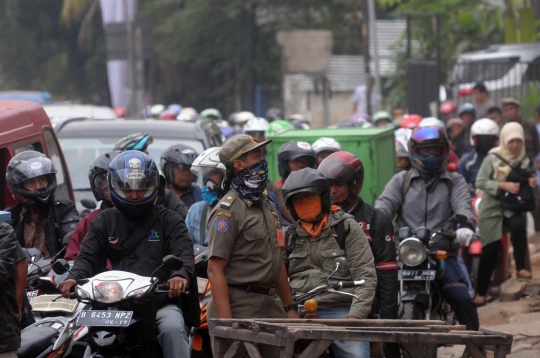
pixel 175 155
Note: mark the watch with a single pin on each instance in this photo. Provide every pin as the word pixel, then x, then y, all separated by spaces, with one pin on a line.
pixel 293 306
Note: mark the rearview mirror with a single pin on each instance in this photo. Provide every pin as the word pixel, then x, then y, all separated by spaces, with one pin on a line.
pixel 341 264
pixel 89 204
pixel 172 262
pixel 60 267
pixel 459 219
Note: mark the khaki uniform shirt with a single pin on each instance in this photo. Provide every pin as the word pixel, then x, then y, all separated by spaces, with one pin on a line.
pixel 245 234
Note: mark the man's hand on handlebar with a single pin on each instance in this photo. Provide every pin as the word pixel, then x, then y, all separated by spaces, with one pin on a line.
pixel 177 286
pixel 65 287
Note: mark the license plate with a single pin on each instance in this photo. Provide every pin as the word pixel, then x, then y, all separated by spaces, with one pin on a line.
pixel 417 275
pixel 104 318
pixel 31 294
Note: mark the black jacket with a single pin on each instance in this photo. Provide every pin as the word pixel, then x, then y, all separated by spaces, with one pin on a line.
pixel 10 329
pixel 62 219
pixel 111 234
pixel 172 201
pixel 380 233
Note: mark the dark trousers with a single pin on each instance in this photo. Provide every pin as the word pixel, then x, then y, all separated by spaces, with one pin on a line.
pixel 455 292
pixel 517 225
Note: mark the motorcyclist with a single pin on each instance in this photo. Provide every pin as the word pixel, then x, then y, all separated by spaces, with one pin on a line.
pixel 325 146
pixel 213 171
pixel 299 121
pixel 382 119
pixel 274 114
pixel 345 172
pixel 240 119
pixel 141 141
pixel 187 114
pixel 176 164
pixel 315 246
pixel 134 186
pixel 402 155
pixel 211 113
pixel 411 121
pixel 462 142
pixel 39 220
pixel 427 196
pixel 292 156
pixel 97 175
pixel 277 127
pixel 256 127
pixel 448 109
pixel 484 136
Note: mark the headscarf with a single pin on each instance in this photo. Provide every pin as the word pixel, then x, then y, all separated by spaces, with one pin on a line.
pixel 509 131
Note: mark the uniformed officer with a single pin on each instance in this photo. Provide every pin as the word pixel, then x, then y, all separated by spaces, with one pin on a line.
pixel 246 243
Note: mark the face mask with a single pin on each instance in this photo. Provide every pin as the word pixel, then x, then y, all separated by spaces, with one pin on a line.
pixel 308 209
pixel 484 143
pixel 251 182
pixel 210 197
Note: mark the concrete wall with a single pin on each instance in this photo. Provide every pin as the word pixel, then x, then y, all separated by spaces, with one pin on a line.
pixel 340 107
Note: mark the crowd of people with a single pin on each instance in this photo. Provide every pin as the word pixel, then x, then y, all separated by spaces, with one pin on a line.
pixel 267 240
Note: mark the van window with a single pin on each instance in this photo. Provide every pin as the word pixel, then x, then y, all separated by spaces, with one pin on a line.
pixel 484 70
pixel 533 71
pixel 53 152
pixel 36 146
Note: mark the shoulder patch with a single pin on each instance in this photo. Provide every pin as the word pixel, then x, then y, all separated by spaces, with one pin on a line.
pixel 222 225
pixel 227 201
pixel 224 213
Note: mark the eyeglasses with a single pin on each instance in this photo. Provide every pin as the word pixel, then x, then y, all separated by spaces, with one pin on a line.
pixel 208 182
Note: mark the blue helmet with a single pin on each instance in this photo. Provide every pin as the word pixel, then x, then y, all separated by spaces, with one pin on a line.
pixel 133 171
pixel 429 150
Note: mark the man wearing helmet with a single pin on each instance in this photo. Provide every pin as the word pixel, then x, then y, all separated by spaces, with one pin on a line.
pixel 448 109
pixel 256 127
pixel 294 156
pixel 39 220
pixel 322 232
pixel 402 155
pixel 323 147
pixel 427 196
pixel 97 176
pixel 462 141
pixel 176 166
pixel 213 171
pixel 382 119
pixel 484 136
pixel 134 236
pixel 345 172
pixel 246 244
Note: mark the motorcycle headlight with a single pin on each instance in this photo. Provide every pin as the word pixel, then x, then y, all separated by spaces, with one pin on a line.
pixel 412 252
pixel 138 292
pixel 108 291
pixel 82 294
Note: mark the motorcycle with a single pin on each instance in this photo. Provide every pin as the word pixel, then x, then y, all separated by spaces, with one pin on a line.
pixel 50 337
pixel 121 321
pixel 200 342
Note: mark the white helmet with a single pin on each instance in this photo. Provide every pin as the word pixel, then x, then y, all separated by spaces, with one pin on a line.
pixel 207 161
pixel 432 122
pixel 156 110
pixel 243 117
pixel 187 114
pixel 484 126
pixel 326 144
pixel 256 124
pixel 402 148
pixel 403 133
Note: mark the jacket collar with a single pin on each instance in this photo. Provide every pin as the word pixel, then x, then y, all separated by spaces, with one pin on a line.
pixel 334 218
pixel 442 175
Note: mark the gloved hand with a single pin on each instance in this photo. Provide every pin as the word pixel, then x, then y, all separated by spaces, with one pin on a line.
pixel 464 236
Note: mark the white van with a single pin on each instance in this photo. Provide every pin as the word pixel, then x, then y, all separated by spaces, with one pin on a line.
pixel 507 70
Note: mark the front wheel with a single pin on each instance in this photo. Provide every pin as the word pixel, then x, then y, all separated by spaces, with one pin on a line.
pixel 414 311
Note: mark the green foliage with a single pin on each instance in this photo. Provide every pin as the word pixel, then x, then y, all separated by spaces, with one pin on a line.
pixel 530 101
pixel 465 25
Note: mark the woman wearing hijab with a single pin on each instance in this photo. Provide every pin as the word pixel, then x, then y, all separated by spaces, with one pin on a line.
pixel 311 257
pixel 493 220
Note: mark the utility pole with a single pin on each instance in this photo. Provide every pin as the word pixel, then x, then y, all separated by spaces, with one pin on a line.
pixel 374 43
pixel 132 81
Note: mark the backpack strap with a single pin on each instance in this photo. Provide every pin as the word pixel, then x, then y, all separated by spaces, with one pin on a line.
pixel 202 226
pixel 406 184
pixel 340 235
pixel 504 160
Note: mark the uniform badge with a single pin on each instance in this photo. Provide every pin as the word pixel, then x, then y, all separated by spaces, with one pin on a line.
pixel 222 225
pixel 224 213
pixel 229 197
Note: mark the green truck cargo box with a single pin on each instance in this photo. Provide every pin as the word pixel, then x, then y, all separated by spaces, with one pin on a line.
pixel 374 146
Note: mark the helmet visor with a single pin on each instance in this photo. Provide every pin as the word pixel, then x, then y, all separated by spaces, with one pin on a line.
pixel 31 168
pixel 425 134
pixel 127 180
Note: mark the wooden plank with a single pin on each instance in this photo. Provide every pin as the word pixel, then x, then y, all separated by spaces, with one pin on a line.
pixel 315 349
pixel 357 322
pixel 245 335
pixel 253 351
pixel 472 349
pixel 233 349
pixel 412 350
pixel 288 350
pixel 500 352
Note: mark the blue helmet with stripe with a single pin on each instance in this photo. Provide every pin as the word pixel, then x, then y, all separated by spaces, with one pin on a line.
pixel 137 141
pixel 133 179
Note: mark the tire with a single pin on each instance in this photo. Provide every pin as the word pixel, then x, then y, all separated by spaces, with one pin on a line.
pixel 414 311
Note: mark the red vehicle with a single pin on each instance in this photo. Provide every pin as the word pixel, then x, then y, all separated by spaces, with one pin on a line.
pixel 25 126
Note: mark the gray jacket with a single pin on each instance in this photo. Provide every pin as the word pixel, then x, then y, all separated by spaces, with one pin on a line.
pixel 427 209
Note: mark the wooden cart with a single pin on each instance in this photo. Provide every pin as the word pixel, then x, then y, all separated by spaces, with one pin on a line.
pixel 413 337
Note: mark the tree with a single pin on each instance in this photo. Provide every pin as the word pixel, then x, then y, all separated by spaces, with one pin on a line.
pixel 465 26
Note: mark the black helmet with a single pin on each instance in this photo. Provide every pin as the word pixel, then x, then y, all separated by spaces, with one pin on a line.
pixel 28 165
pixel 97 174
pixel 291 151
pixel 431 137
pixel 306 180
pixel 137 141
pixel 178 154
pixel 274 114
pixel 299 121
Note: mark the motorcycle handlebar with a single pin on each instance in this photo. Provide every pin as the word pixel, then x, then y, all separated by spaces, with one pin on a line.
pixel 165 287
pixel 336 285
